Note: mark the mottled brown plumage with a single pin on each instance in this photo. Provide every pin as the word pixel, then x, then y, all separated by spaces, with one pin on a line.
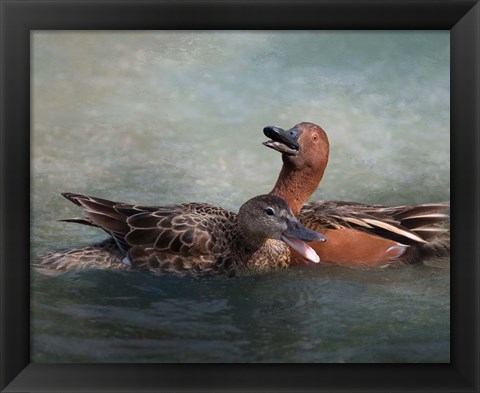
pixel 359 235
pixel 191 238
pixel 103 255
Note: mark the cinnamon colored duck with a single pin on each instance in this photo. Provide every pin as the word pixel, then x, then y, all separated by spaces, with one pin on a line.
pixel 358 235
pixel 191 238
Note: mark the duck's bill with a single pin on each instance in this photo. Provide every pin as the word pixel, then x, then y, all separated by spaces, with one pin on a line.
pixel 296 235
pixel 285 142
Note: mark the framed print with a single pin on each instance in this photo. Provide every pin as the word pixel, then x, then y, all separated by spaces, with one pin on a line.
pixel 160 103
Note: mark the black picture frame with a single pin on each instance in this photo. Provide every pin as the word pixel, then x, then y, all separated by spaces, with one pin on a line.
pixel 19 17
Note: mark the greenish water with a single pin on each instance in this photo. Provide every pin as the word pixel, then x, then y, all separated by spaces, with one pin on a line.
pixel 168 117
pixel 303 315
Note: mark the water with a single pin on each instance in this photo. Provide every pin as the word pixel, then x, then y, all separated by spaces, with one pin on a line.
pixel 304 315
pixel 168 117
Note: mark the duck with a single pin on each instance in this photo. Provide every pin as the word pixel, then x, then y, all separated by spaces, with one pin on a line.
pixel 360 235
pixel 188 239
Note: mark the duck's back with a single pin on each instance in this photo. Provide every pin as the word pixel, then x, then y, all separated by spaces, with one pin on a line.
pixel 190 238
pixel 409 224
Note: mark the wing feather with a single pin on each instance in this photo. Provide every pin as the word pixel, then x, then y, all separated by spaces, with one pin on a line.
pixel 190 229
pixel 409 224
pixel 185 229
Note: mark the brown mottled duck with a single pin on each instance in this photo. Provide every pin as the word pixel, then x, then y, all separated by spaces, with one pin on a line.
pixel 191 238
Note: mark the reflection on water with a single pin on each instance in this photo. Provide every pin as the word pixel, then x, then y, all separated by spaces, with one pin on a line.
pixel 303 315
pixel 167 117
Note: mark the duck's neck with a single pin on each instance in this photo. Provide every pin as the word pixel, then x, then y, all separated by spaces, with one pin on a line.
pixel 295 185
pixel 253 255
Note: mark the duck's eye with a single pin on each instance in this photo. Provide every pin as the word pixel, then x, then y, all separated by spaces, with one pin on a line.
pixel 315 137
pixel 269 211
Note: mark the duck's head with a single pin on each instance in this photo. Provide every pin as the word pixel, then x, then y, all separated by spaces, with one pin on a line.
pixel 269 217
pixel 304 145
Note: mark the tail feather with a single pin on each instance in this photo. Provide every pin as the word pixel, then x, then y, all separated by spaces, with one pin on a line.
pixel 81 200
pixel 109 223
pixel 437 248
pixel 402 212
pixel 103 214
pixel 80 220
pixel 417 222
pixel 99 212
pixel 430 233
pixel 427 221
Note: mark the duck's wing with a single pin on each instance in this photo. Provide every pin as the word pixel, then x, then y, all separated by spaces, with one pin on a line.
pixel 108 215
pixel 407 224
pixel 189 229
pixel 191 238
